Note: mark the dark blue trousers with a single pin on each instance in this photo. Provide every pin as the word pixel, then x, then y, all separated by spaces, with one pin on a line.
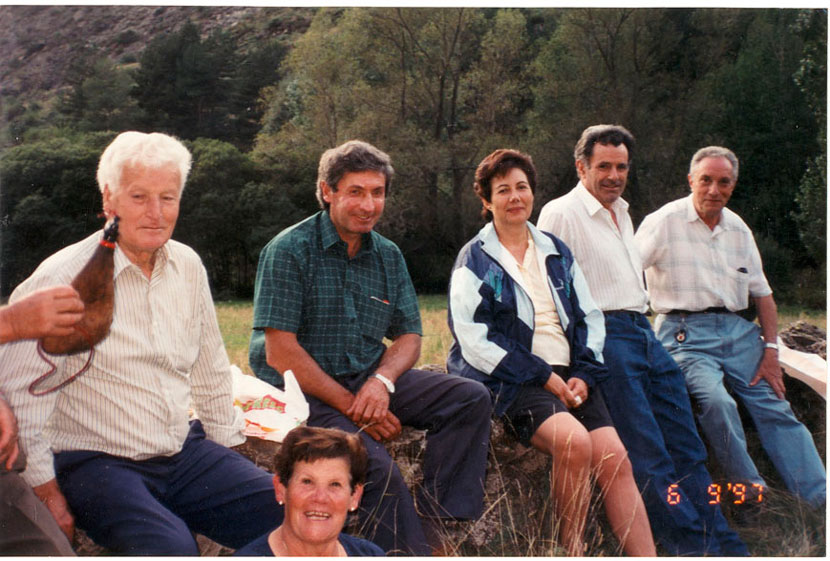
pixel 151 507
pixel 455 412
pixel 645 392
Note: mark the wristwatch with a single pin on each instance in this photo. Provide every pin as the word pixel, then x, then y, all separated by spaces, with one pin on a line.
pixel 390 387
pixel 771 346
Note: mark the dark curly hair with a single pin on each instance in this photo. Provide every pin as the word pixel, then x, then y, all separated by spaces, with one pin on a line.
pixel 307 444
pixel 498 164
pixel 351 156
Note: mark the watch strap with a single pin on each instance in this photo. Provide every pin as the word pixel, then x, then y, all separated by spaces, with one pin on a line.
pixel 390 387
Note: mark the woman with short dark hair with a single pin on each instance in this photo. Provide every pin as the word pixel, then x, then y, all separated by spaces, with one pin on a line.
pixel 526 327
pixel 319 478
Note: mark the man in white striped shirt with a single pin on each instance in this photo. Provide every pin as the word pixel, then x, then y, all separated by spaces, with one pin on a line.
pixel 116 451
pixel 703 267
pixel 644 389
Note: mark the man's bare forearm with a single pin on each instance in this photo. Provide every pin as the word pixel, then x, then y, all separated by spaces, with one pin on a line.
pixel 283 352
pixel 401 355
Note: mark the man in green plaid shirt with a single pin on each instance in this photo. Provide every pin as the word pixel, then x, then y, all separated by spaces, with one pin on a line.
pixel 328 291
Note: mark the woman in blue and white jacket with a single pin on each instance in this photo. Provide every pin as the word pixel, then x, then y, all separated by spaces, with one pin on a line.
pixel 526 327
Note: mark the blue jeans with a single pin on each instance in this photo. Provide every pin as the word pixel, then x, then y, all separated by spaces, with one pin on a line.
pixel 646 395
pixel 723 351
pixel 150 507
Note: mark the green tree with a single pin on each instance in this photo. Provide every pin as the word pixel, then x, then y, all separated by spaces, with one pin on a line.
pixel 434 88
pixel 183 83
pixel 100 99
pixel 757 110
pixel 49 199
pixel 811 78
pixel 625 66
pixel 257 69
pixel 227 217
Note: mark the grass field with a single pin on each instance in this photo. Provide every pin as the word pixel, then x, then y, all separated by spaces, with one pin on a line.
pixel 235 319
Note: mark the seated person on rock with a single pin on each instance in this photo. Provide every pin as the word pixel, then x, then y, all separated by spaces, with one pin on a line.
pixel 116 451
pixel 328 291
pixel 643 387
pixel 703 268
pixel 525 326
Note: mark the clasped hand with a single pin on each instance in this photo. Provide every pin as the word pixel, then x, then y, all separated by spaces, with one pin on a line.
pixel 49 311
pixel 370 411
pixel 568 391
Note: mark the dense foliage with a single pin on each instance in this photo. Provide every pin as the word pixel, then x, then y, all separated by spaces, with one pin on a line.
pixel 438 89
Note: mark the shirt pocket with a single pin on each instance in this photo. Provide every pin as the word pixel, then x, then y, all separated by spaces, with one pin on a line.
pixel 739 276
pixel 186 351
pixel 185 336
pixel 375 315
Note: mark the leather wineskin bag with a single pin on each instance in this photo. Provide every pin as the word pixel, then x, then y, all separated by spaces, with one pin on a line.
pixel 94 284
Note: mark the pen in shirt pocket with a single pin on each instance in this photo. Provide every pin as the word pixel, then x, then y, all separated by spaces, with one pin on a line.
pixel 375 298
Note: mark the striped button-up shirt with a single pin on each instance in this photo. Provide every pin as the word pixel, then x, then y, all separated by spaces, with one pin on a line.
pixel 164 356
pixel 690 267
pixel 606 254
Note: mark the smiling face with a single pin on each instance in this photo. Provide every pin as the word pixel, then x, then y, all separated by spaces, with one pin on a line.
pixel 511 199
pixel 712 184
pixel 147 202
pixel 317 499
pixel 356 205
pixel 606 172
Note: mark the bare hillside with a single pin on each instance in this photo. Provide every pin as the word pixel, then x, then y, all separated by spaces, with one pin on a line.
pixel 37 43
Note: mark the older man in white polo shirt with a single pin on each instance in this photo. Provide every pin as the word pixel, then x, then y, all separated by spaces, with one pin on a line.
pixel 702 266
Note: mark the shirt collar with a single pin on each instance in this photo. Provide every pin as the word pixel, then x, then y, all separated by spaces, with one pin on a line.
pixel 163 257
pixel 725 223
pixel 691 212
pixel 593 206
pixel 329 236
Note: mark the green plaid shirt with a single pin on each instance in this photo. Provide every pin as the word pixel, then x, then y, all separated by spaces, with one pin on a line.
pixel 340 308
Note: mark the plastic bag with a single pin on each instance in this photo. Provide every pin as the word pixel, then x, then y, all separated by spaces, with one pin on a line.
pixel 269 412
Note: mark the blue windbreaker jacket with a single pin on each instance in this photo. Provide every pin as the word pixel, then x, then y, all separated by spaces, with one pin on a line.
pixel 491 316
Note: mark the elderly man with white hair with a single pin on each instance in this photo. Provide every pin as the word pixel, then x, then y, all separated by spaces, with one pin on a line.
pixel 117 451
pixel 703 268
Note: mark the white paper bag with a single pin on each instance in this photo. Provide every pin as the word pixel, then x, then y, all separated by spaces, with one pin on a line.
pixel 269 412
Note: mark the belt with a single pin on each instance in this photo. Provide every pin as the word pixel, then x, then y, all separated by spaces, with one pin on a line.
pixel 713 310
pixel 625 313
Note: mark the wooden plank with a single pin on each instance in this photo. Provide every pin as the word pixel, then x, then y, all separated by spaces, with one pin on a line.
pixel 807 367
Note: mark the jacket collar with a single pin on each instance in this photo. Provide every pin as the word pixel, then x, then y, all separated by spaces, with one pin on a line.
pixel 490 242
pixel 491 245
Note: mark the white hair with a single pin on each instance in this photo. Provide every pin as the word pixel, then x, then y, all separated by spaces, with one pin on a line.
pixel 131 148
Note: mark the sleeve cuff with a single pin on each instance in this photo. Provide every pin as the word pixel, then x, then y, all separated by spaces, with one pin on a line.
pixel 38 472
pixel 226 435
